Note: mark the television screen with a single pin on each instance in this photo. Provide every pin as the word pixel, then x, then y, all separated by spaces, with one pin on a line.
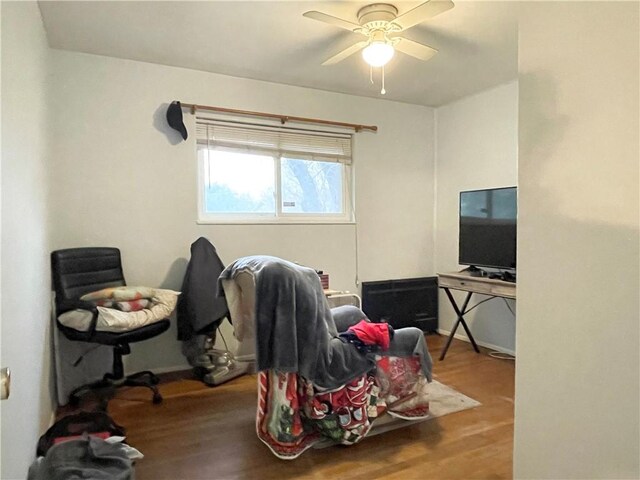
pixel 488 228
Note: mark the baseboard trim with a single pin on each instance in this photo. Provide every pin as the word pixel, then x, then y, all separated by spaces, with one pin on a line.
pixel 491 346
pixel 176 368
pixel 161 370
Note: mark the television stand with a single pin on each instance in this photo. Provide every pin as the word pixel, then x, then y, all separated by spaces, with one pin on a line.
pixel 504 276
pixel 467 282
pixel 474 271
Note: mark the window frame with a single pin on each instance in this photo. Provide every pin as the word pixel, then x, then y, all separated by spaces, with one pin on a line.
pixel 278 216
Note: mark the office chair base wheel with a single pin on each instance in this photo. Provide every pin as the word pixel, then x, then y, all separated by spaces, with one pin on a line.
pixel 157 398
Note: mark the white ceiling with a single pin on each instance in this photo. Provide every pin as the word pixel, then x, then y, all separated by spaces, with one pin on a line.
pixel 272 41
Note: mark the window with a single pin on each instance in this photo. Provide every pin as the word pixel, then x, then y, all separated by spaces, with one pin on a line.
pixel 263 174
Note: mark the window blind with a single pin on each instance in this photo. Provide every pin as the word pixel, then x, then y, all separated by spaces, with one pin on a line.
pixel 289 143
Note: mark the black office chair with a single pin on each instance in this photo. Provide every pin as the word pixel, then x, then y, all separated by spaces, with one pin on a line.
pixel 77 271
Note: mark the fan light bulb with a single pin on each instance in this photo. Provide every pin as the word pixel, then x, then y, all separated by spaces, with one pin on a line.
pixel 378 54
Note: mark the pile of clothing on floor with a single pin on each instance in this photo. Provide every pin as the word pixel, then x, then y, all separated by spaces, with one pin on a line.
pixel 84 445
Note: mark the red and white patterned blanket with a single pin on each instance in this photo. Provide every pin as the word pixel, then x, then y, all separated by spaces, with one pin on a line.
pixel 293 414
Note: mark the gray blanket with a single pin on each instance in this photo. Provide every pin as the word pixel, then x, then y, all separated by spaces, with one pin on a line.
pixel 295 331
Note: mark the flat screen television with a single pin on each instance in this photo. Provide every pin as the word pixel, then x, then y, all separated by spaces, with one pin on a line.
pixel 488 228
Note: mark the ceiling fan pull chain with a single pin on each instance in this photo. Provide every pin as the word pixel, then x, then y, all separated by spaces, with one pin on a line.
pixel 371 74
pixel 383 91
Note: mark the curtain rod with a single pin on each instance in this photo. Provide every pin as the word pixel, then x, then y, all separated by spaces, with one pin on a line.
pixel 283 118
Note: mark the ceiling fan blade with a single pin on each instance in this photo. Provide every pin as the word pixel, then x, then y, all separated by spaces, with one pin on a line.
pixel 331 20
pixel 428 9
pixel 345 53
pixel 415 49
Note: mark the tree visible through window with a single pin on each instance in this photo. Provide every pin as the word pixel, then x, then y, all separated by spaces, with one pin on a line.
pixel 244 177
pixel 311 187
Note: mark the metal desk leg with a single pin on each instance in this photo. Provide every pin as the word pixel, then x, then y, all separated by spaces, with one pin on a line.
pixel 460 320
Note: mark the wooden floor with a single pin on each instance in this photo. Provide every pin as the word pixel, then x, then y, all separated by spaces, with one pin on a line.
pixel 200 432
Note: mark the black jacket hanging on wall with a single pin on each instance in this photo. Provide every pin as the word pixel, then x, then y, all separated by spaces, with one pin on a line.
pixel 200 310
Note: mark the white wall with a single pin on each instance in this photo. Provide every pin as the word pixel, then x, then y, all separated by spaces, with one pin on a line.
pixel 577 377
pixel 25 226
pixel 120 179
pixel 476 147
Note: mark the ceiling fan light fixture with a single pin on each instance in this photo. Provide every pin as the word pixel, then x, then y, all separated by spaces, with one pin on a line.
pixel 378 54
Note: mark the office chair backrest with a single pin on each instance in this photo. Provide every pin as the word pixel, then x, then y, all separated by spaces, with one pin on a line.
pixel 77 271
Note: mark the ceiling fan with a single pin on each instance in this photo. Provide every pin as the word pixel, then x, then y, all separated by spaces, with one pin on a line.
pixel 379 22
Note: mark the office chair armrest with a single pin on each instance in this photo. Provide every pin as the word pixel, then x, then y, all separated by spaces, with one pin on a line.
pixel 66 305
